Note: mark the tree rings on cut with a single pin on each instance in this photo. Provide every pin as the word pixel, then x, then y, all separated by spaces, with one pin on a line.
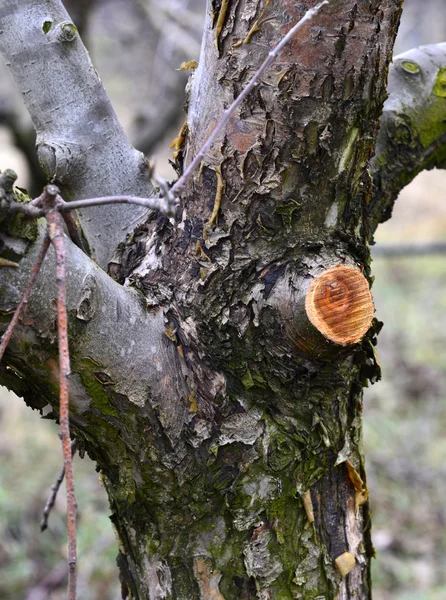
pixel 339 304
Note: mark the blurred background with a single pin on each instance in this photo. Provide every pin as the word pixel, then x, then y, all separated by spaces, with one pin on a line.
pixel 137 47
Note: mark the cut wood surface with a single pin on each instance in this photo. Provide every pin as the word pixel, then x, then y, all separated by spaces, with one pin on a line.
pixel 340 305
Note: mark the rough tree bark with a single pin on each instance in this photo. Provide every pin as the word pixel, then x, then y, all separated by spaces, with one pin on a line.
pixel 219 388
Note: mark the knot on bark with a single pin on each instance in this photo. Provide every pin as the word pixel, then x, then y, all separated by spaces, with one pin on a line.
pixel 88 300
pixel 58 160
pixel 66 31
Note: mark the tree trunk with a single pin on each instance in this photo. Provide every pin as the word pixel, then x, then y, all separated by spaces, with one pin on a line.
pixel 223 406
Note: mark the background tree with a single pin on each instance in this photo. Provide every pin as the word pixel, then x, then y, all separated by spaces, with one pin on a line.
pixel 230 409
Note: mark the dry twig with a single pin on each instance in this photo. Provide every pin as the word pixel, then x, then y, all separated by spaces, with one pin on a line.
pixel 54 491
pixel 162 204
pixel 25 297
pixel 55 233
pixel 403 250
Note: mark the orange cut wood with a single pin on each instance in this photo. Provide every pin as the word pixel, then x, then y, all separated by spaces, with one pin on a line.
pixel 339 304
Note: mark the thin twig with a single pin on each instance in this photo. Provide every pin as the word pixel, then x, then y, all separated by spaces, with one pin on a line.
pixel 25 297
pixel 27 209
pixel 179 185
pixel 50 203
pixel 55 231
pixel 54 491
pixel 160 204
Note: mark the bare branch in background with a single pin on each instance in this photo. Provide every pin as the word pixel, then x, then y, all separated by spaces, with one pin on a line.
pixel 54 491
pixel 52 581
pixel 162 204
pixel 161 15
pixel 403 250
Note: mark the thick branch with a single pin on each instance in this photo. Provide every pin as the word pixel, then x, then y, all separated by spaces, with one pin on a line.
pixel 412 136
pixel 112 335
pixel 80 142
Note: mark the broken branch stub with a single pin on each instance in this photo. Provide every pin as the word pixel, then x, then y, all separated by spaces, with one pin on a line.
pixel 339 305
pixel 326 312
